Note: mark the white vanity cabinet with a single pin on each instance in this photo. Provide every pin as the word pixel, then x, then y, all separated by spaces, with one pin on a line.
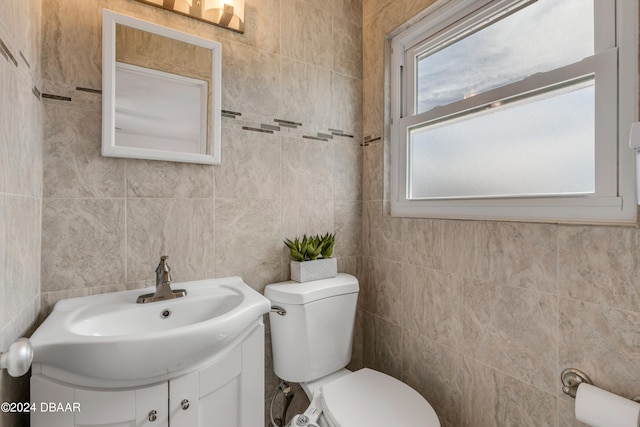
pixel 227 390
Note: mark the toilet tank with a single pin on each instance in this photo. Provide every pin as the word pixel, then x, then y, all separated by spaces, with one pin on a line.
pixel 314 337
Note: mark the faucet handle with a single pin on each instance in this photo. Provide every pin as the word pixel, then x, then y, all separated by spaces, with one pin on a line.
pixel 163 270
pixel 164 265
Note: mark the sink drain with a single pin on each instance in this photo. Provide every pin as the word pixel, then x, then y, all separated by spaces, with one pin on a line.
pixel 165 313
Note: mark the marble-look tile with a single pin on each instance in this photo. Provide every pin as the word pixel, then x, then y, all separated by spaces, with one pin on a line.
pixel 414 7
pixel 318 84
pixel 72 39
pixel 83 243
pixel 567 412
pixel 32 35
pixel 348 170
pixel 157 179
pixel 307 91
pixel 72 160
pixel 421 242
pixel 251 77
pixel 49 299
pixel 179 228
pixel 9 17
pixel 373 173
pixel 251 165
pixel 299 81
pixel 350 10
pixel 350 265
pixel 512 329
pixel 346 114
pixel 21 133
pixel 348 228
pixel 383 15
pixel 491 398
pixel 347 48
pixel 300 217
pixel 382 345
pixel 382 235
pixel 368 335
pixel 603 342
pixel 21 253
pixel 375 52
pixel 600 264
pixel 373 118
pixel 247 233
pixel 357 352
pixel 436 372
pixel 7 75
pixel 4 202
pixel 306 32
pixel 382 294
pixel 261 27
pixel 524 255
pixel 307 169
pixel 431 302
pixel 255 275
pixel 457 247
pixel 22 325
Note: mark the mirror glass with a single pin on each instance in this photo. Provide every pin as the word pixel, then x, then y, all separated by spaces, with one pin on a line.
pixel 161 92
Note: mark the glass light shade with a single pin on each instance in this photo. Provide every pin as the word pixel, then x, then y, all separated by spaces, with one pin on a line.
pixel 227 14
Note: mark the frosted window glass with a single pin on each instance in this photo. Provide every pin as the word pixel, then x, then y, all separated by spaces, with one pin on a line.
pixel 540 37
pixel 541 146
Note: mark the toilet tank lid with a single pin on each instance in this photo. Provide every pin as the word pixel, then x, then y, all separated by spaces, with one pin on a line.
pixel 301 293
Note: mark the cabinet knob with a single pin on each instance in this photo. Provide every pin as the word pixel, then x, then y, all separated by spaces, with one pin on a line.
pixel 184 404
pixel 153 415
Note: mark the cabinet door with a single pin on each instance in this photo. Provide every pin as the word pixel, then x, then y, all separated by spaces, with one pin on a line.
pixel 144 407
pixel 119 408
pixel 152 406
pixel 184 400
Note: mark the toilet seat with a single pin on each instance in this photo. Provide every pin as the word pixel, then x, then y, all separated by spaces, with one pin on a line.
pixel 373 399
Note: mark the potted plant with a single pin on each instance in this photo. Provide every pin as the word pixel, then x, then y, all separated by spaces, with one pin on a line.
pixel 312 257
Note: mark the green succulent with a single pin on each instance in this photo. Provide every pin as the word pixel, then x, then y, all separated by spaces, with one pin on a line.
pixel 311 247
pixel 329 241
pixel 297 248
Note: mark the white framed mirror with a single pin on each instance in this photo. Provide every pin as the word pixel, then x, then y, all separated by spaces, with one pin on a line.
pixel 161 92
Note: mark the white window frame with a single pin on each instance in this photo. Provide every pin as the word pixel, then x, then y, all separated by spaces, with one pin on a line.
pixel 614 200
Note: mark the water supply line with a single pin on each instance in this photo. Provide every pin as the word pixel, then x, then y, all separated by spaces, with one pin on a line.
pixel 288 396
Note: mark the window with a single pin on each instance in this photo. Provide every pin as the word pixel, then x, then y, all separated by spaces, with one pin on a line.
pixel 515 110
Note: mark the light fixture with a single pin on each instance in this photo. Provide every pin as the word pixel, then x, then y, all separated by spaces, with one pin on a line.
pixel 227 14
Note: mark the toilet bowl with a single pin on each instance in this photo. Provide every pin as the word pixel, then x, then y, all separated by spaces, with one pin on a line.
pixel 311 337
pixel 367 398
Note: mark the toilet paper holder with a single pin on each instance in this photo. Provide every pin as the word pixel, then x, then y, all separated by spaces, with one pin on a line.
pixel 572 378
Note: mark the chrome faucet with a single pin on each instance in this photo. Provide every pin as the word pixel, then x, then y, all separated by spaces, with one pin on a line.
pixel 163 285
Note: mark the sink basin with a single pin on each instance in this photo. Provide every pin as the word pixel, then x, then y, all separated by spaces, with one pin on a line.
pixel 108 340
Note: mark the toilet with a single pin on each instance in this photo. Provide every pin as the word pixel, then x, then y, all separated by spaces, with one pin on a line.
pixel 311 337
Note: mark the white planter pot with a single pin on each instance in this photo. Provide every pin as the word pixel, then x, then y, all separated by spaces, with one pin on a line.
pixel 323 268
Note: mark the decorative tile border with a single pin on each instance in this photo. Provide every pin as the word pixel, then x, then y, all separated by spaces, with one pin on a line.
pixel 56 97
pixel 286 127
pixel 287 123
pixel 256 129
pixel 230 114
pixel 86 89
pixel 7 53
pixel 369 139
pixel 25 60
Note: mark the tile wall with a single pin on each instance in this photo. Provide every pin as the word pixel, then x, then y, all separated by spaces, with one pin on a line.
pixel 482 317
pixel 20 184
pixel 291 154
